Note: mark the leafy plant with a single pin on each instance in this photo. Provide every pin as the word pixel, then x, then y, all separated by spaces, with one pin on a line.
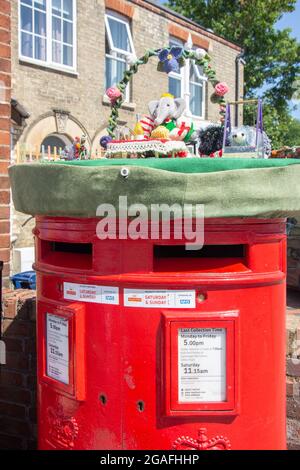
pixel 272 56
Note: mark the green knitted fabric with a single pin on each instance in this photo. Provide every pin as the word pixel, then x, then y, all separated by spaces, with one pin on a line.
pixel 227 188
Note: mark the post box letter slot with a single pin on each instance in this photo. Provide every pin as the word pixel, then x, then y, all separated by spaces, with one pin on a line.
pixel 68 255
pixel 210 258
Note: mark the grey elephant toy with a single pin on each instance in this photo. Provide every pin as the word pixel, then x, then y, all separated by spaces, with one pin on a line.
pixel 166 114
pixel 165 109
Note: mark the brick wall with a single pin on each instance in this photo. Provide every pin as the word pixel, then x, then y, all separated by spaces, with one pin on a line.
pixel 18 376
pixel 293 378
pixel 5 96
pixel 40 89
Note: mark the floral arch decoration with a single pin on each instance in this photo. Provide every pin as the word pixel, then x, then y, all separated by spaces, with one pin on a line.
pixel 170 59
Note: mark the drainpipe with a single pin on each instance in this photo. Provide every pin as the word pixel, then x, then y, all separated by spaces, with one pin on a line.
pixel 238 60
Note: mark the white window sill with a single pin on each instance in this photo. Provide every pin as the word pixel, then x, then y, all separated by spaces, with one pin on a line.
pixel 125 105
pixel 46 66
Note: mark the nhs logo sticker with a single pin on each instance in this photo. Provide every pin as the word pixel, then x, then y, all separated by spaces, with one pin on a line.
pixel 185 299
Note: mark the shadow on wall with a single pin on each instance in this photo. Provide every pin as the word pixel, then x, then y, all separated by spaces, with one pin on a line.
pixel 18 375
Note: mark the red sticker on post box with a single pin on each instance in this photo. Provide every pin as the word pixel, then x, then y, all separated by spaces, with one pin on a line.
pixel 201 365
pixel 159 298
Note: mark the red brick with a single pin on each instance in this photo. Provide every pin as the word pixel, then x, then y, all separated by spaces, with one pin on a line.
pixel 5 124
pixel 5 7
pixel 11 442
pixel 178 32
pixel 198 41
pixel 293 367
pixel 18 328
pixel 14 345
pixel 4 138
pixel 5 79
pixel 15 395
pixel 4 197
pixel 17 361
pixel 7 291
pixel 6 268
pixel 5 254
pixel 5 281
pixel 4 153
pixel 293 408
pixel 30 346
pixel 4 212
pixel 121 7
pixel 4 228
pixel 14 426
pixel 5 37
pixel 4 181
pixel 5 65
pixel 32 414
pixel 4 108
pixel 289 387
pixel 5 50
pixel 10 409
pixel 11 378
pixel 4 240
pixel 10 308
pixel 31 381
pixel 33 363
pixel 4 21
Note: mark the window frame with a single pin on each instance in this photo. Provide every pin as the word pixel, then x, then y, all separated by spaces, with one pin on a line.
pixel 49 63
pixel 184 76
pixel 114 51
pixel 203 81
pixel 177 75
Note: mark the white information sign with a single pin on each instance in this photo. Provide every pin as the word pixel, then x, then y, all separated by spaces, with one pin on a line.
pixel 201 365
pixel 91 293
pixel 159 298
pixel 58 348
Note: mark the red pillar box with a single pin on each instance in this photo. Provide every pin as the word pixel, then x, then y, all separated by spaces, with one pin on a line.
pixel 144 345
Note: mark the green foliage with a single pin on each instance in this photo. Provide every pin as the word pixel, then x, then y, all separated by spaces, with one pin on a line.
pixel 293 134
pixel 277 126
pixel 272 56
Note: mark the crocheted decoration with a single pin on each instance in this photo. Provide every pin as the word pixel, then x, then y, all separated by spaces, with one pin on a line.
pixel 211 141
pixel 158 147
pixel 78 150
pixel 221 89
pixel 145 126
pixel 128 74
pixel 105 140
pixel 113 93
pixel 161 132
pixel 169 58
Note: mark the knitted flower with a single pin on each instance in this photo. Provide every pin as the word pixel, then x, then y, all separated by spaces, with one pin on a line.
pixel 221 89
pixel 113 93
pixel 200 53
pixel 131 59
pixel 170 59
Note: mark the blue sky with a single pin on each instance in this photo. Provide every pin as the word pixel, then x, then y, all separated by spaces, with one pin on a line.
pixel 292 21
